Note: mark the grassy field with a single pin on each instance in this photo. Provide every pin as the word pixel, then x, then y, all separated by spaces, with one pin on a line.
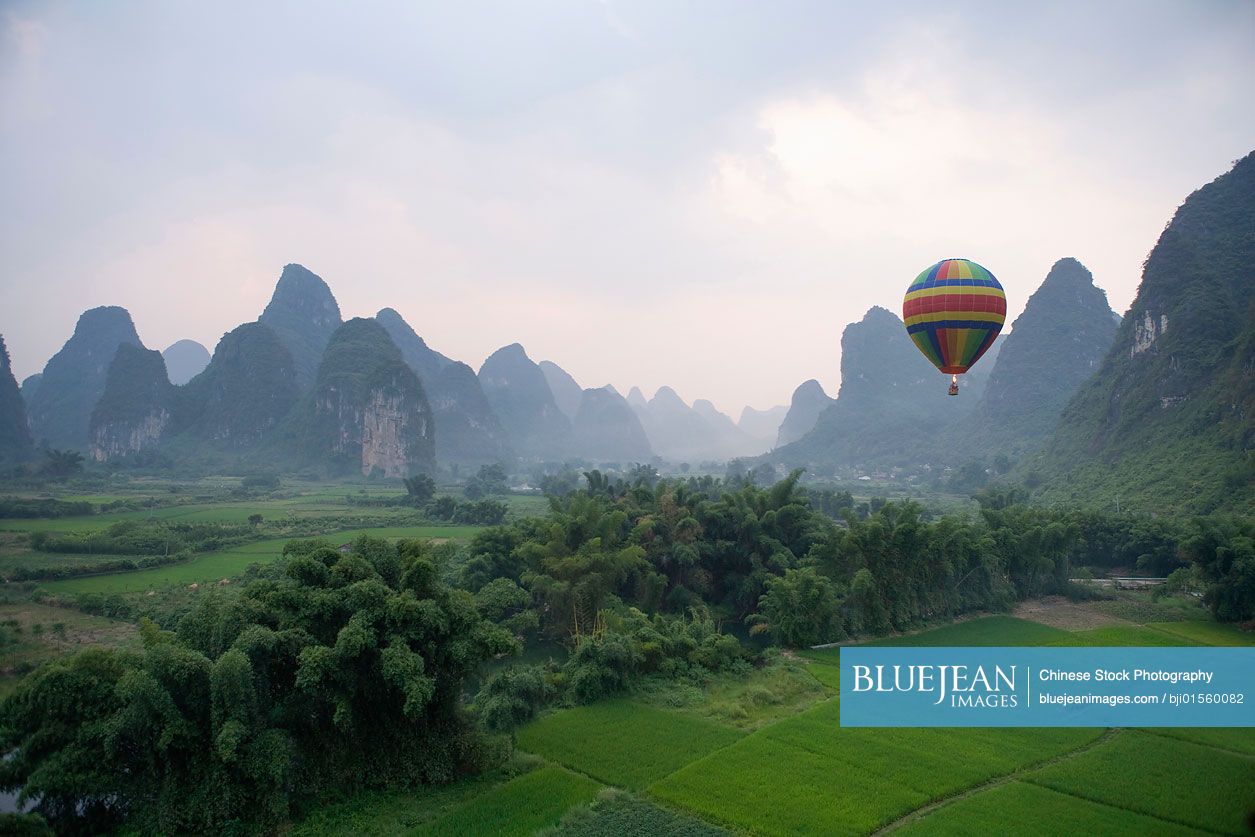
pixel 747 701
pixel 829 780
pixel 1122 635
pixel 1206 633
pixel 522 806
pixel 384 813
pixel 1021 809
pixel 214 566
pixel 1175 781
pixel 806 775
pixel 41 632
pixel 622 742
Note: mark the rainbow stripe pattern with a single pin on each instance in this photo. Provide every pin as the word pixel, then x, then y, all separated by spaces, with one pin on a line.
pixel 954 311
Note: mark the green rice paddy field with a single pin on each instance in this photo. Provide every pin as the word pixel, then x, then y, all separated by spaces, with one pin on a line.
pixel 315 509
pixel 214 566
pixel 667 771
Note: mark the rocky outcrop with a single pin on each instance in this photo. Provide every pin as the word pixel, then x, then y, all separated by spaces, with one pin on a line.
pixel 61 405
pixel 16 443
pixel 367 412
pixel 185 360
pixel 567 393
pixel 520 396
pixel 134 412
pixel 304 314
pixel 607 430
pixel 467 431
pixel 809 400
pixel 1146 330
pixel 246 390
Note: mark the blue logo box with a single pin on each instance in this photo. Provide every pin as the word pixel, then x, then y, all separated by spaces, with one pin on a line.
pixel 1047 687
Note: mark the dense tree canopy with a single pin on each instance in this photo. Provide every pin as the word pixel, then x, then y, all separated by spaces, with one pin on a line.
pixel 336 671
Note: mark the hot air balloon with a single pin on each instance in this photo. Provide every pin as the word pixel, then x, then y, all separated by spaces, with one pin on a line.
pixel 954 311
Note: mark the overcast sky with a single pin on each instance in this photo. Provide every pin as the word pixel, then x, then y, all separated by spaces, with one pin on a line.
pixel 685 193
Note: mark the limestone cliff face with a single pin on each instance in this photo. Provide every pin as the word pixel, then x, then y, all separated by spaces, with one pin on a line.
pixel 368 412
pixel 118 439
pixel 1146 330
pixel 134 412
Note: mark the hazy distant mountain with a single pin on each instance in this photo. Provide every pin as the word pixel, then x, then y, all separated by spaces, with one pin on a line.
pixel 520 396
pixel 1054 346
pixel 1167 420
pixel 304 314
pixel 727 441
pixel 467 430
pixel 185 360
pixel 674 430
pixel 809 400
pixel 16 443
pixel 248 387
pixel 567 393
pixel 890 407
pixel 135 410
pixel 636 399
pixel 606 429
pixel 762 425
pixel 367 412
pixel 60 407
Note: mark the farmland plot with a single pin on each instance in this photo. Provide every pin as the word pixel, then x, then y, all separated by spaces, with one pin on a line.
pixel 1174 780
pixel 1122 635
pixel 822 779
pixel 1208 633
pixel 225 563
pixel 1021 809
pixel 623 743
pixel 522 806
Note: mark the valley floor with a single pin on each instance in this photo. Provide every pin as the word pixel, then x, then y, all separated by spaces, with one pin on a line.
pixel 768 757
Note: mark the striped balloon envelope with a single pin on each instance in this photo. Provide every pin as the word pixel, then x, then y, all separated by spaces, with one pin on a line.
pixel 954 311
